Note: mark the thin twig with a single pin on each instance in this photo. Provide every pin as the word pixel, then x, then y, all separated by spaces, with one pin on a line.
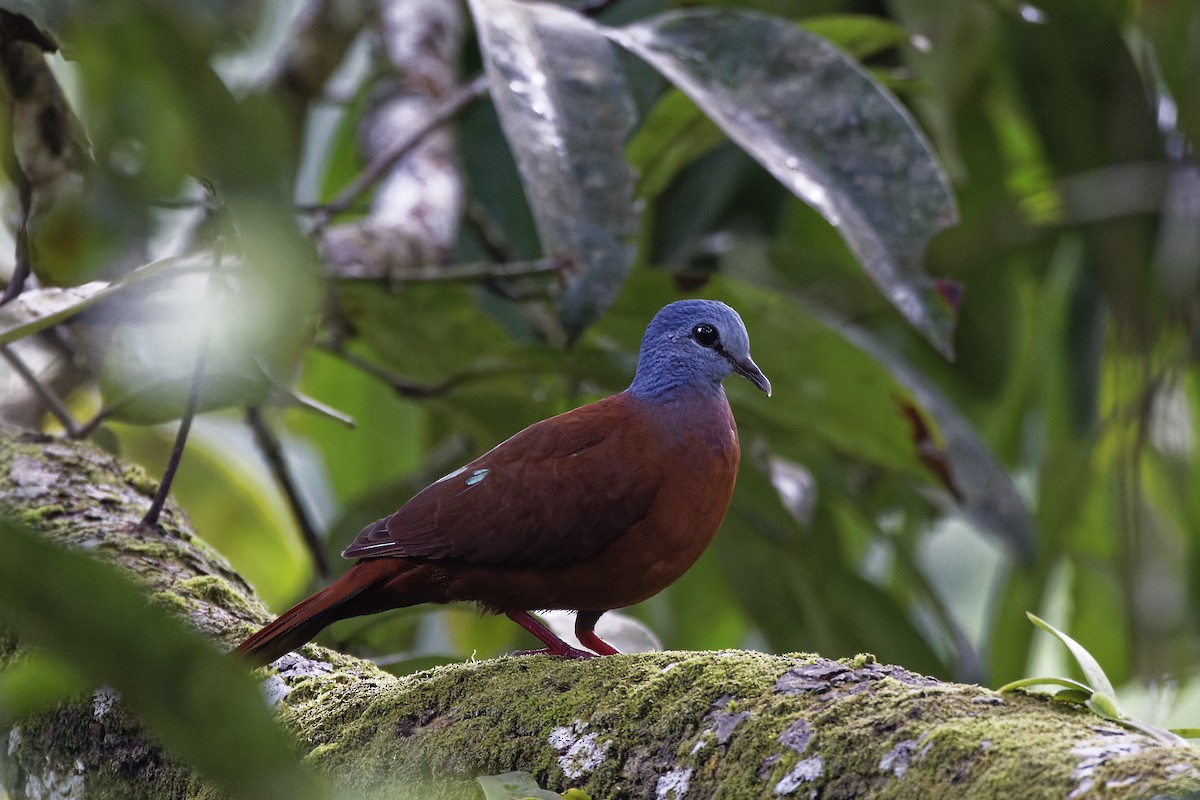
pixel 469 273
pixel 402 386
pixel 85 430
pixel 449 107
pixel 189 411
pixel 23 266
pixel 411 389
pixel 53 404
pixel 491 235
pixel 272 451
pixel 181 435
pixel 590 8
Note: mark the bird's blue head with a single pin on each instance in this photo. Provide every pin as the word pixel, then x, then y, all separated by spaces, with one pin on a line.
pixel 694 344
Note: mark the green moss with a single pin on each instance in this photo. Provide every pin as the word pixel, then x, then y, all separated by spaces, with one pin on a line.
pixel 39 516
pixel 138 478
pixel 171 602
pixel 869 730
pixel 861 660
pixel 216 590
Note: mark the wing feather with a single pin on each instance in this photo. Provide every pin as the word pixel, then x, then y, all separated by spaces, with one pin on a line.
pixel 559 491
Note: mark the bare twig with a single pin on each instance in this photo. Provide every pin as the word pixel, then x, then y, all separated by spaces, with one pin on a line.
pixel 590 8
pixel 53 404
pixel 272 451
pixel 189 411
pixel 22 266
pixel 467 273
pixel 449 107
pixel 491 235
pixel 412 389
pixel 181 435
pixel 402 386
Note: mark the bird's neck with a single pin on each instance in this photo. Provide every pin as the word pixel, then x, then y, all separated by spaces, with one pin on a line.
pixel 691 417
pixel 686 405
pixel 663 386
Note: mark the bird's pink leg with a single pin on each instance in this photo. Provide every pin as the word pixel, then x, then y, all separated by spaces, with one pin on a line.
pixel 585 624
pixel 554 645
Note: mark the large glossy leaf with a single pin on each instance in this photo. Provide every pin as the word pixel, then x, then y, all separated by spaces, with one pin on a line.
pixel 985 490
pixel 203 706
pixel 828 132
pixel 566 112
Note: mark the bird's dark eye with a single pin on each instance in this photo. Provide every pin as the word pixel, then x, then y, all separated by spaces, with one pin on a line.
pixel 705 335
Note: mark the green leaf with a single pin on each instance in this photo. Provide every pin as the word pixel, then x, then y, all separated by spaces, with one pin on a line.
pixel 980 483
pixel 566 112
pixel 1105 706
pixel 36 681
pixel 857 35
pixel 514 786
pixel 1100 698
pixel 203 706
pixel 1070 684
pixel 1187 733
pixel 1092 672
pixel 1077 696
pixel 826 130
pixel 674 134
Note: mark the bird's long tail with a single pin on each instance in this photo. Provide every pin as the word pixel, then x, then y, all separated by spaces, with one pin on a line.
pixel 339 600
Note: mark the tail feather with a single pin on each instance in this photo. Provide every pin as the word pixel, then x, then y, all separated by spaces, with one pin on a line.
pixel 306 619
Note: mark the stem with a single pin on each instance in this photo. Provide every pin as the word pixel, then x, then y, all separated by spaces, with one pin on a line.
pixel 189 411
pixel 53 404
pixel 272 451
pixel 450 106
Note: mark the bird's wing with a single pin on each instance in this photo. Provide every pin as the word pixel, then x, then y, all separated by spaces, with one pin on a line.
pixel 559 491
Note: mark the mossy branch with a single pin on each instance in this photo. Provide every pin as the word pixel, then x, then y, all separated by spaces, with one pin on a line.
pixel 675 724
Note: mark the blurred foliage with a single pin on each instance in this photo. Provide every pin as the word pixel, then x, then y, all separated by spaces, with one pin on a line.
pixel 235 742
pixel 1067 133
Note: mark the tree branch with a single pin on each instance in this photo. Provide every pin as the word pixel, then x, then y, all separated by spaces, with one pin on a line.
pixel 692 724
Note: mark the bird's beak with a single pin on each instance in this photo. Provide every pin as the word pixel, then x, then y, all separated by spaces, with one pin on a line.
pixel 750 371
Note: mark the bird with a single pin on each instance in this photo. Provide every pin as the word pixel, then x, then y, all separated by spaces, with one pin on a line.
pixel 591 510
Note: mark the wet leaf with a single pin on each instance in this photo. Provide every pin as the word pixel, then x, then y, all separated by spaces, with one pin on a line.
pixel 828 132
pixel 566 112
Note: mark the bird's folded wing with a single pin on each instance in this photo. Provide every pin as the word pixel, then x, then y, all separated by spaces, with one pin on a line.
pixel 557 492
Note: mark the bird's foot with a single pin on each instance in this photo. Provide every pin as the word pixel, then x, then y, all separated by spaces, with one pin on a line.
pixel 562 652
